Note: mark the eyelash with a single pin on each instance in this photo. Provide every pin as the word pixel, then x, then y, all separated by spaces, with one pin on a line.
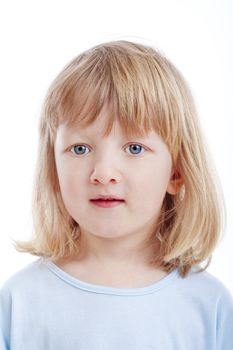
pixel 134 144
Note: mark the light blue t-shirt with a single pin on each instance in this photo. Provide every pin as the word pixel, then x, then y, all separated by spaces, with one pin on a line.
pixel 44 308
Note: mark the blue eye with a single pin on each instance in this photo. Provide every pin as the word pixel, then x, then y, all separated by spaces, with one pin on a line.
pixel 135 148
pixel 79 149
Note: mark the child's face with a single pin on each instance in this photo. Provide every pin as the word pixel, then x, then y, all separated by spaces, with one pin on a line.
pixel 112 165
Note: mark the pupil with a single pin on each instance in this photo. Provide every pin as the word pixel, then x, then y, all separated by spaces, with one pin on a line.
pixel 135 148
pixel 79 148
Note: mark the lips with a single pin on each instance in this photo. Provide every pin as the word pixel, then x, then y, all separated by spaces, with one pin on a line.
pixel 108 198
pixel 107 203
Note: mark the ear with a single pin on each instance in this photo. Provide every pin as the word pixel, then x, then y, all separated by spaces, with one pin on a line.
pixel 175 183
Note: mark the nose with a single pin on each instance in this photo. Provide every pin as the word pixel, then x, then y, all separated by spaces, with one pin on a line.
pixel 105 172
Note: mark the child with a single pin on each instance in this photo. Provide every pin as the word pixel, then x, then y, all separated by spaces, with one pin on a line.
pixel 125 210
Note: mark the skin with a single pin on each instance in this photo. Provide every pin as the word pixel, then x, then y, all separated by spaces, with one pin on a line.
pixel 114 240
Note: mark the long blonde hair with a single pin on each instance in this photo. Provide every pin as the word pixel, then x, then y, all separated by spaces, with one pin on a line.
pixel 145 91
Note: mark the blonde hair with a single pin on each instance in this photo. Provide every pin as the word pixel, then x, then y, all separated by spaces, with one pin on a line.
pixel 144 91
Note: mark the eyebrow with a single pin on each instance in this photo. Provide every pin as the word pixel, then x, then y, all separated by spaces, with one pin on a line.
pixel 94 136
pixel 75 131
pixel 85 132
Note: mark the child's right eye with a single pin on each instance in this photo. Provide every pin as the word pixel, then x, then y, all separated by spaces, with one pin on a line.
pixel 79 149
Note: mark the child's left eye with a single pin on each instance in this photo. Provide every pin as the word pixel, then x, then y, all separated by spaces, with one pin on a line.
pixel 134 147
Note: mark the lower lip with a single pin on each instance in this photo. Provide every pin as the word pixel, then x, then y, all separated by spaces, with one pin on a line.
pixel 106 204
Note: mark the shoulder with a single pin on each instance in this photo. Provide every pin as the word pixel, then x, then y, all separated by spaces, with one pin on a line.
pixel 204 281
pixel 204 285
pixel 207 281
pixel 208 301
pixel 23 279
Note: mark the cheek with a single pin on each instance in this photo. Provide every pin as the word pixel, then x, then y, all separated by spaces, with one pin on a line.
pixel 150 183
pixel 72 186
pixel 72 192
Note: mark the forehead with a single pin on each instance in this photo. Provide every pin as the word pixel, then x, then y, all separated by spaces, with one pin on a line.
pixel 104 124
pixel 94 133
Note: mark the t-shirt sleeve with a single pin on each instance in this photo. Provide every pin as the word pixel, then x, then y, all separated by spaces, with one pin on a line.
pixel 224 322
pixel 5 318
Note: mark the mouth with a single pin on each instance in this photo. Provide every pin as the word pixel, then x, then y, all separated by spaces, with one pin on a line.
pixel 107 203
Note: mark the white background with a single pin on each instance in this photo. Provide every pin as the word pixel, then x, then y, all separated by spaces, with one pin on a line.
pixel 39 37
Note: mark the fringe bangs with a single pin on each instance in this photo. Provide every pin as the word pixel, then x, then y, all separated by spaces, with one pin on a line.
pixel 131 85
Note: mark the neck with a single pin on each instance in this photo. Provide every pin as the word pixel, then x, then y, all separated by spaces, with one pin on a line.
pixel 116 262
pixel 130 251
